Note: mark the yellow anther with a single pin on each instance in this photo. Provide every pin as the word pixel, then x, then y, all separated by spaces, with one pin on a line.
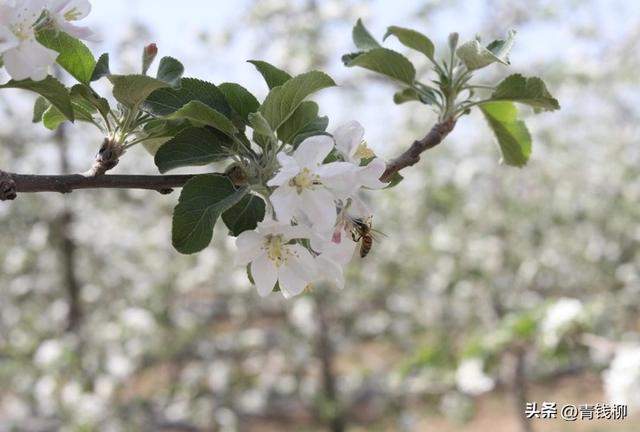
pixel 364 152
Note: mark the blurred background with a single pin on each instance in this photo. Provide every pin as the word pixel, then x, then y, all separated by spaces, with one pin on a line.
pixel 493 287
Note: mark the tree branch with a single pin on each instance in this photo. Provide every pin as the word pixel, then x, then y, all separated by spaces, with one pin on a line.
pixel 412 156
pixel 10 183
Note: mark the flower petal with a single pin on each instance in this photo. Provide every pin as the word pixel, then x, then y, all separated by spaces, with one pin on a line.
pixel 313 151
pixel 285 201
pixel 339 176
pixel 249 244
pixel 348 137
pixel 319 206
pixel 265 275
pixel 289 169
pixel 331 271
pixel 369 176
pixel 297 272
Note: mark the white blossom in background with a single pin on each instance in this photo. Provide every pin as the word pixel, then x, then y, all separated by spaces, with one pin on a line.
pixel 306 185
pixel 49 352
pixel 273 258
pixel 622 378
pixel 558 318
pixel 471 379
pixel 64 13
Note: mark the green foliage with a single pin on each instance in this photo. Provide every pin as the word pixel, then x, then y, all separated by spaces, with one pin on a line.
pixel 281 102
pixel 362 38
pixel 203 199
pixel 167 100
pixel 475 56
pixel 102 68
pixel 86 93
pixel 82 110
pixel 530 91
pixel 273 76
pixel 245 215
pixel 511 133
pixel 192 146
pixel 242 102
pixel 170 71
pixel 49 88
pixel 306 113
pixel 202 115
pixel 412 39
pixel 74 56
pixel 406 95
pixel 386 62
pixel 132 90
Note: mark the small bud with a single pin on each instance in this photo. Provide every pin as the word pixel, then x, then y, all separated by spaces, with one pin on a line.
pixel 148 56
pixel 453 41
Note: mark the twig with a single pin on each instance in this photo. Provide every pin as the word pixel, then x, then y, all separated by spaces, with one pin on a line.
pixel 412 156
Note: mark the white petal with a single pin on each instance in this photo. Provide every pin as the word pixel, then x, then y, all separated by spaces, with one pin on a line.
pixel 331 271
pixel 7 39
pixel 289 169
pixel 297 272
pixel 313 151
pixel 265 275
pixel 249 244
pixel 320 208
pixel 285 200
pixel 358 208
pixel 341 252
pixel 339 176
pixel 369 176
pixel 29 60
pixel 348 137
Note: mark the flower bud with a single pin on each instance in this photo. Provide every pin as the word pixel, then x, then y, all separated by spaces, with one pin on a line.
pixel 148 56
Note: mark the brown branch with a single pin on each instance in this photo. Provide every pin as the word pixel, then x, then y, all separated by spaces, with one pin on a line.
pixel 412 156
pixel 10 183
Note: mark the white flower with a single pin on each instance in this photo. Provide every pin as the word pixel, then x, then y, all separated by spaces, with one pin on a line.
pixel 274 258
pixel 558 318
pixel 334 254
pixel 471 379
pixel 23 56
pixel 622 379
pixel 349 139
pixel 64 12
pixel 307 185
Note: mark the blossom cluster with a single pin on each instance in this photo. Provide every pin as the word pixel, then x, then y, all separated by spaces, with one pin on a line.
pixel 307 235
pixel 20 20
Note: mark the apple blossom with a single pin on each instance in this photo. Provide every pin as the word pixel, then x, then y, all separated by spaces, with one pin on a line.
pixel 275 257
pixel 64 12
pixel 308 186
pixel 23 56
pixel 349 139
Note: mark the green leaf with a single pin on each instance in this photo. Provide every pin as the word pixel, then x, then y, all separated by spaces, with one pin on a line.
pixel 52 118
pixel 102 68
pixel 394 180
pixel 362 38
pixel 261 126
pixel 386 62
pixel 240 100
pixel 406 95
pixel 475 56
pixel 39 108
pixel 202 115
pixel 170 71
pixel 511 133
pixel 245 215
pixel 530 91
pixel 412 39
pixel 74 56
pixel 165 101
pixel 191 147
pixel 85 92
pixel 317 127
pixel 49 88
pixel 203 199
pixel 305 114
pixel 281 102
pixel 272 75
pixel 132 90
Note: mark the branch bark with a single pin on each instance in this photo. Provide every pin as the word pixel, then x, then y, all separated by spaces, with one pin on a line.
pixel 11 184
pixel 412 156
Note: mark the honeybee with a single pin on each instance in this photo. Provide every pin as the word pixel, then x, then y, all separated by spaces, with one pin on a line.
pixel 362 230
